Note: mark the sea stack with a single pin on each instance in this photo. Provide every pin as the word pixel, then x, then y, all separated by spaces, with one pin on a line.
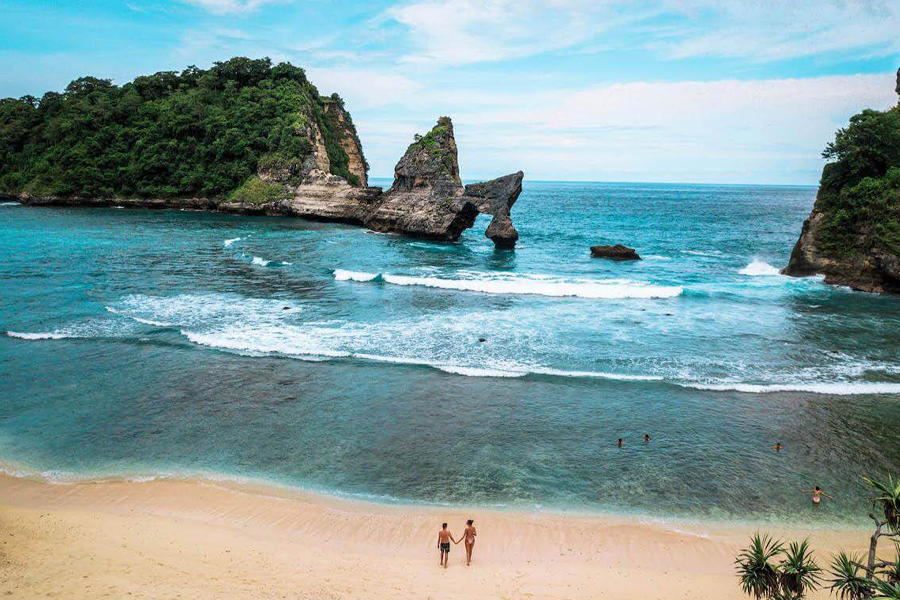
pixel 303 158
pixel 852 235
pixel 428 200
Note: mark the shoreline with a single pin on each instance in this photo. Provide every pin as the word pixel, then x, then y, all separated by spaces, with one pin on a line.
pixel 163 538
pixel 297 492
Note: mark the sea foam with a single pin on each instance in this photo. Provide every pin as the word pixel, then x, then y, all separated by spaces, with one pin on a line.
pixel 52 335
pixel 849 388
pixel 757 268
pixel 526 285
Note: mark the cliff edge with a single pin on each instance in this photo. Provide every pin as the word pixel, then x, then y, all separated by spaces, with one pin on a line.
pixel 243 136
pixel 852 235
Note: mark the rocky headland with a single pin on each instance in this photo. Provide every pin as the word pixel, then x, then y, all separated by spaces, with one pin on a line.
pixel 852 235
pixel 244 137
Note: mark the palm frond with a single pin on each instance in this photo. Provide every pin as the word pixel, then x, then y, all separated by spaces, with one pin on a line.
pixel 887 496
pixel 799 572
pixel 892 571
pixel 885 590
pixel 756 571
pixel 846 582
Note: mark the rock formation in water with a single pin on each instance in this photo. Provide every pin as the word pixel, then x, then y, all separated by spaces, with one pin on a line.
pixel 243 136
pixel 617 252
pixel 427 199
pixel 852 235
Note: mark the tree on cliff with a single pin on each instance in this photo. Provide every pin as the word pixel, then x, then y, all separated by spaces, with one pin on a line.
pixel 200 132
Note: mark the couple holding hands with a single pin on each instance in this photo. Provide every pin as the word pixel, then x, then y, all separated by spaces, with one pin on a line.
pixel 445 537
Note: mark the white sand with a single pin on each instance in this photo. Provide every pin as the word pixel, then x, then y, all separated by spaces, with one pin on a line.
pixel 175 539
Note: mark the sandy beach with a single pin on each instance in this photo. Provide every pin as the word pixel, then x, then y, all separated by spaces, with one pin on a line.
pixel 192 539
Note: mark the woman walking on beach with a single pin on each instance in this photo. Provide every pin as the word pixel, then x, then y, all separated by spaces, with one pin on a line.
pixel 469 536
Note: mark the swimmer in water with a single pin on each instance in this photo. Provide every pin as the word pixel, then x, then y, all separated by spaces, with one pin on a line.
pixel 817 495
pixel 620 443
pixel 646 438
pixel 778 446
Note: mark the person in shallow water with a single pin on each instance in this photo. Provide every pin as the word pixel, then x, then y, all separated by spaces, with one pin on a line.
pixel 778 446
pixel 620 443
pixel 469 537
pixel 646 438
pixel 817 495
pixel 444 538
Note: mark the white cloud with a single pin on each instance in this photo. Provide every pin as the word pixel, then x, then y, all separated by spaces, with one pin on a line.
pixel 224 7
pixel 764 131
pixel 775 30
pixel 469 31
pixel 363 88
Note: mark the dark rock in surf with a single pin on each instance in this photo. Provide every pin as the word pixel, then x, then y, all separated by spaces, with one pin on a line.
pixel 617 252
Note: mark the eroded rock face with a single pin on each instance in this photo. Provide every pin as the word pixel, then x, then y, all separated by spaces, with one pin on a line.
pixel 617 252
pixel 426 200
pixel 496 198
pixel 847 235
pixel 350 144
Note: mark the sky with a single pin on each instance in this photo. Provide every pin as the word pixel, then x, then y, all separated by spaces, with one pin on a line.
pixel 706 91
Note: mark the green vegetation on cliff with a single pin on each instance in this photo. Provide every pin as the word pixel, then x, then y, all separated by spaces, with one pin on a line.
pixel 197 133
pixel 859 195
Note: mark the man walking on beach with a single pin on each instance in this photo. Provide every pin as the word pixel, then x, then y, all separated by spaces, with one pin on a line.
pixel 444 538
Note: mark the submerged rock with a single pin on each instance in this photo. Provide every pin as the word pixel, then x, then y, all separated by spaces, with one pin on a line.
pixel 617 252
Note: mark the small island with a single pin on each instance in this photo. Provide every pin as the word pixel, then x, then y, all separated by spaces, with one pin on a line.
pixel 244 136
pixel 852 235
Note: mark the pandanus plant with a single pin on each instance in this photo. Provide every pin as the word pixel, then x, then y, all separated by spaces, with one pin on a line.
pixel 799 573
pixel 885 590
pixel 848 581
pixel 887 497
pixel 791 578
pixel 756 569
pixel 796 573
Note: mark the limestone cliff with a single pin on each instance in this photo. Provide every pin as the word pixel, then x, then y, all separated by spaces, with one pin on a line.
pixel 852 235
pixel 357 165
pixel 427 198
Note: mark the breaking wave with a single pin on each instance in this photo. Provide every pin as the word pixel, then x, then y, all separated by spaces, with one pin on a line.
pixel 832 388
pixel 759 267
pixel 229 242
pixel 526 285
pixel 344 275
pixel 52 335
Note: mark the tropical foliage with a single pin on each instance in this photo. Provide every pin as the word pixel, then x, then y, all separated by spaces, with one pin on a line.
pixel 195 133
pixel 859 194
pixel 769 570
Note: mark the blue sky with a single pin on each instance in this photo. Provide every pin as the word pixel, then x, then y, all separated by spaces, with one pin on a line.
pixel 733 91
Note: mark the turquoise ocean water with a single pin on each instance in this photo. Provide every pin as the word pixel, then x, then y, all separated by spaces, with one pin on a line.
pixel 323 356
